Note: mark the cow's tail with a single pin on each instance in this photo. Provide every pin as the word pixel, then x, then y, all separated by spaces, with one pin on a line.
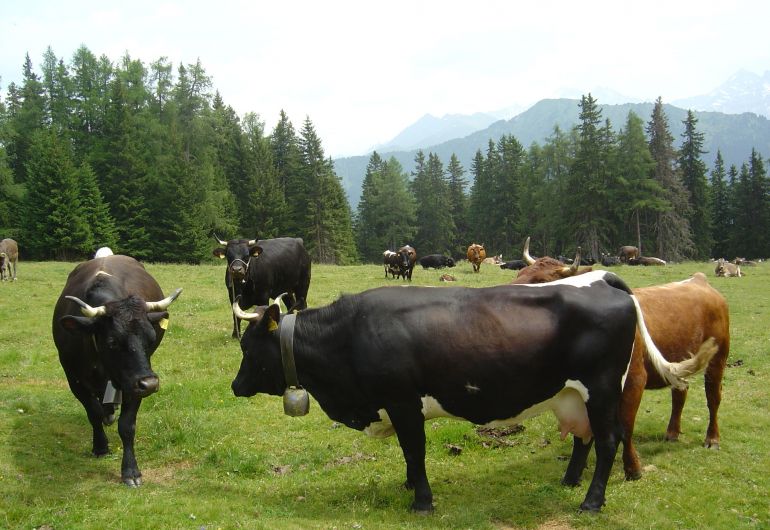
pixel 675 374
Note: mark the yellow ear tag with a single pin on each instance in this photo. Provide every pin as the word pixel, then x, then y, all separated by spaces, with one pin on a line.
pixel 272 325
pixel 163 323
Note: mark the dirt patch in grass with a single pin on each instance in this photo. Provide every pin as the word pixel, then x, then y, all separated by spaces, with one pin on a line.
pixel 165 474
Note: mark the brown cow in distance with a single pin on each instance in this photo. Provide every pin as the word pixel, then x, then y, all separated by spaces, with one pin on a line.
pixel 9 257
pixel 628 252
pixel 547 269
pixel 476 255
pixel 681 317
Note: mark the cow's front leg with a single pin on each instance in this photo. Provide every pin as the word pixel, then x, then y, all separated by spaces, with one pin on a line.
pixel 129 469
pixel 577 462
pixel 95 413
pixel 409 422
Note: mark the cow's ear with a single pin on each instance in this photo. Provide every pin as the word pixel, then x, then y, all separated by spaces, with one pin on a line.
pixel 157 316
pixel 219 252
pixel 256 250
pixel 75 324
pixel 272 317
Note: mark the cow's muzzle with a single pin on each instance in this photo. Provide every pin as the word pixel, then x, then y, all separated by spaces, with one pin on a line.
pixel 146 385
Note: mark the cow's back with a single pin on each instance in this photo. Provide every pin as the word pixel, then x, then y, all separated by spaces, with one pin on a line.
pixel 442 340
pixel 283 265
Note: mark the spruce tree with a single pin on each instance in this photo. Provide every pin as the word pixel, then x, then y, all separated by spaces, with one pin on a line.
pixel 672 230
pixel 55 224
pixel 95 212
pixel 693 171
pixel 458 204
pixel 721 216
pixel 435 229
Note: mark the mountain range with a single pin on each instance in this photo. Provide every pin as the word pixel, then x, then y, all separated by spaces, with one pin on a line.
pixel 733 119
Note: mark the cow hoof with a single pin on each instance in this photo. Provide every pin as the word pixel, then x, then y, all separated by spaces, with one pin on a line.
pixel 714 446
pixel 98 453
pixel 590 508
pixel 570 482
pixel 421 509
pixel 633 475
pixel 132 482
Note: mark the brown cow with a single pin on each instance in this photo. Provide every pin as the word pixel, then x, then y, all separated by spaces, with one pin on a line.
pixel 476 255
pixel 9 256
pixel 547 269
pixel 681 317
pixel 628 252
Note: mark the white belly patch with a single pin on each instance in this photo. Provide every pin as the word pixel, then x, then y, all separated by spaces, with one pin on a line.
pixel 568 405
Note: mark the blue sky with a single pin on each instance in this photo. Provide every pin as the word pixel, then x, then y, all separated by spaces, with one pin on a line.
pixel 362 71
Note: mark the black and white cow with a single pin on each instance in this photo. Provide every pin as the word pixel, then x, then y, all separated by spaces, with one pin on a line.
pixel 108 321
pixel 260 270
pixel 385 360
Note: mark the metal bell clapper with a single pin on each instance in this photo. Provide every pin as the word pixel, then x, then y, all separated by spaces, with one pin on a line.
pixel 296 401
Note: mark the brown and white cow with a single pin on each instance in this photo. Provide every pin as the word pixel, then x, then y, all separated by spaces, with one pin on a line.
pixel 494 260
pixel 726 269
pixel 681 317
pixel 476 255
pixel 9 257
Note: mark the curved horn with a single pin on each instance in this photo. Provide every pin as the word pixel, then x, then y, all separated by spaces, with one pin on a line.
pixel 163 304
pixel 529 259
pixel 223 243
pixel 277 301
pixel 572 269
pixel 243 315
pixel 86 309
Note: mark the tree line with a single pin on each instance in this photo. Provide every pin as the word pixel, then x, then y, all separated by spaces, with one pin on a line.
pixel 153 163
pixel 590 187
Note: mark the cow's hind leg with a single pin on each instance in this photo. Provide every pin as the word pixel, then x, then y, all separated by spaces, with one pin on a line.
pixel 603 414
pixel 678 398
pixel 129 469
pixel 409 422
pixel 713 386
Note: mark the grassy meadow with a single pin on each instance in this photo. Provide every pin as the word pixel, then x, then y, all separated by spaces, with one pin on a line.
pixel 212 461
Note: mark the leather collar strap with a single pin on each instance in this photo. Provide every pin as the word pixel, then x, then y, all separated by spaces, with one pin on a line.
pixel 286 339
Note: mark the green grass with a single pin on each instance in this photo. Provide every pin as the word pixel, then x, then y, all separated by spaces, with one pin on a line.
pixel 213 461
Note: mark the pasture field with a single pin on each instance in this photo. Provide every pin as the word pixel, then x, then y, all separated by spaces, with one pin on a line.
pixel 211 461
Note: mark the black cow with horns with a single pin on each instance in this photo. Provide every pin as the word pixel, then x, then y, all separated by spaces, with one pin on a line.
pixel 385 360
pixel 108 321
pixel 260 270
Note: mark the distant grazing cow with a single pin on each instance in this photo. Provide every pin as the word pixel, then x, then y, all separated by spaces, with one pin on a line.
pixel 726 269
pixel 628 252
pixel 681 317
pixel 546 268
pixel 407 257
pixel 447 278
pixel 436 261
pixel 106 325
pixel 494 260
pixel 9 257
pixel 646 261
pixel 386 360
pixel 514 264
pixel 390 261
pixel 260 270
pixel 476 255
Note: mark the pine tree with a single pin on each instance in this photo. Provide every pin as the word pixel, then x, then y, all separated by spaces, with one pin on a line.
pixel 26 120
pixel 54 218
pixel 693 171
pixel 328 228
pixel 673 234
pixel 458 204
pixel 95 212
pixel 721 216
pixel 287 160
pixel 641 196
pixel 435 229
